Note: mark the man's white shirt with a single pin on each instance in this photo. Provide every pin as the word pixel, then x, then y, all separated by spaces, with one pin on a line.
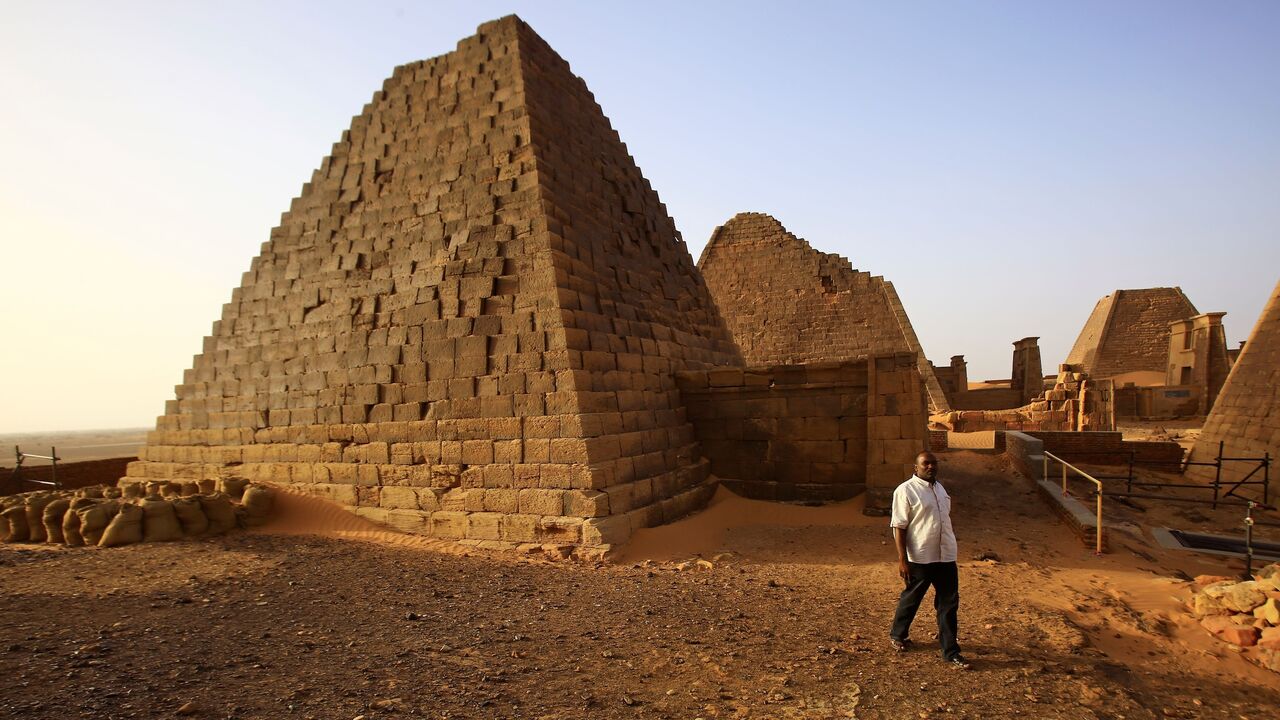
pixel 924 510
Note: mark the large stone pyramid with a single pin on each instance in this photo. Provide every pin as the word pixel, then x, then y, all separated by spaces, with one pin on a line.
pixel 467 323
pixel 1128 332
pixel 1246 415
pixel 786 302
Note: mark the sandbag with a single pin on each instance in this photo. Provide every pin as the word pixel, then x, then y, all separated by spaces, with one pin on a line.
pixel 187 489
pixel 257 503
pixel 233 487
pixel 95 518
pixel 71 525
pixel 90 492
pixel 191 516
pixel 113 493
pixel 52 518
pixel 170 490
pixel 133 490
pixel 159 523
pixel 222 515
pixel 16 517
pixel 125 528
pixel 35 517
pixel 208 486
pixel 154 486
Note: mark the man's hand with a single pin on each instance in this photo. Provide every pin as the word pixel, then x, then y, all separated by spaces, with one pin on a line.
pixel 904 571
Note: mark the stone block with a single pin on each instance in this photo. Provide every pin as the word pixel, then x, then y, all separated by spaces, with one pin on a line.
pixel 484 526
pixel 613 530
pixel 448 524
pixel 541 502
pixel 586 503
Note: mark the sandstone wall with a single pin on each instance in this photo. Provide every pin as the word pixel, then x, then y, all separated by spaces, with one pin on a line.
pixel 467 323
pixel 795 432
pixel 1246 415
pixel 819 431
pixel 787 303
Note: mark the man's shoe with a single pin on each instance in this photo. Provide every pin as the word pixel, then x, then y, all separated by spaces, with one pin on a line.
pixel 958 662
pixel 899 645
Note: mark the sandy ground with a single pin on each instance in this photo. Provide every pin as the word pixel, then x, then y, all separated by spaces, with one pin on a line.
pixel 322 615
pixel 73 446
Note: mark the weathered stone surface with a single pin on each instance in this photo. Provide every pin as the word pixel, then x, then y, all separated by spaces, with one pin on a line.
pixel 1128 331
pixel 1243 597
pixel 787 303
pixel 477 292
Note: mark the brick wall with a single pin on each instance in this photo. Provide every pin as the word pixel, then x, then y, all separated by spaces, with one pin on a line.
pixel 787 303
pixel 819 431
pixel 938 440
pixel 1106 448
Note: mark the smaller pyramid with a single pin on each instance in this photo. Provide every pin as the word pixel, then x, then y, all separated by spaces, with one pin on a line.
pixel 1246 416
pixel 787 303
pixel 1128 332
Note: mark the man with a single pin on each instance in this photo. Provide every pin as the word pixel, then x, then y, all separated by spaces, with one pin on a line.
pixel 921 523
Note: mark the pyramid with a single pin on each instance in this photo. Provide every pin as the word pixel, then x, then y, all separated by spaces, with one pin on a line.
pixel 1128 332
pixel 787 303
pixel 1246 415
pixel 468 322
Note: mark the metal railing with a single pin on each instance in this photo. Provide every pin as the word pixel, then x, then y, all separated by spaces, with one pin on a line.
pixel 1097 550
pixel 19 456
pixel 1130 479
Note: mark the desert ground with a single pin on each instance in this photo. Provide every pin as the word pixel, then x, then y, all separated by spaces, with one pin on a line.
pixel 75 446
pixel 321 615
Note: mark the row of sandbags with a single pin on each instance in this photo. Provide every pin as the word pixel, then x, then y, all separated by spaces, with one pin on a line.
pixel 108 517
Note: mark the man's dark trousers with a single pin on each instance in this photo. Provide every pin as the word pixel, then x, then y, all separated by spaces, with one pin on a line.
pixel 946 601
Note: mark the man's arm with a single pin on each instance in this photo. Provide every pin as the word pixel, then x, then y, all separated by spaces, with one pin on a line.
pixel 900 540
pixel 900 521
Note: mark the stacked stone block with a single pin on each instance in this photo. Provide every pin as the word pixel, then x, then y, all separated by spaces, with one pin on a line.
pixel 1128 331
pixel 787 303
pixel 817 431
pixel 468 322
pixel 897 430
pixel 1075 403
pixel 1246 415
pixel 789 432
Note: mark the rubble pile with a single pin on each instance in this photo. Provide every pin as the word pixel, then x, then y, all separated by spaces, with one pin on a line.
pixel 133 513
pixel 1245 614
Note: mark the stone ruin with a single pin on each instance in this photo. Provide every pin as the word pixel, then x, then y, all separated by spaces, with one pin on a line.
pixel 787 303
pixel 1245 614
pixel 478 322
pixel 1026 381
pixel 1246 414
pixel 470 325
pixel 1074 403
pixel 1128 332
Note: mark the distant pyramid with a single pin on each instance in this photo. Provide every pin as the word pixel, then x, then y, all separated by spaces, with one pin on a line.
pixel 1128 331
pixel 786 302
pixel 467 323
pixel 1246 415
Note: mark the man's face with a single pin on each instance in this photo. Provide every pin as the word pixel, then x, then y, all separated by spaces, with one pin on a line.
pixel 926 466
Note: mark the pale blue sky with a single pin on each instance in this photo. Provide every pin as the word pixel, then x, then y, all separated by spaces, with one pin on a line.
pixel 1005 164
